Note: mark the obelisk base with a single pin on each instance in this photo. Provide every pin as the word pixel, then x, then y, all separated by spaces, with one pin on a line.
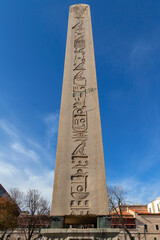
pixel 78 234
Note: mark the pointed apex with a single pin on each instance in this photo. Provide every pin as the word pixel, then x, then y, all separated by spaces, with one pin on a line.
pixel 80 5
pixel 79 9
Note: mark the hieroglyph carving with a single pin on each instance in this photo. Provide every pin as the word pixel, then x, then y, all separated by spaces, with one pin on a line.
pixel 79 204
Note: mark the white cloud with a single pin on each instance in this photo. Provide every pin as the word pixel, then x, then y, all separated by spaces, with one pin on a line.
pixel 18 147
pixel 51 121
pixel 138 192
pixel 143 51
pixel 24 179
pixel 8 128
pixel 7 170
pixel 26 162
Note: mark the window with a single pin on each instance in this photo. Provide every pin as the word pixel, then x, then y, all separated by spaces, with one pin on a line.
pixel 158 208
pixel 157 227
pixel 149 209
pixel 145 228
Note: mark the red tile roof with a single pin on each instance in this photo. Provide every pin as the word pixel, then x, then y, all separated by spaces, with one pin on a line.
pixel 125 214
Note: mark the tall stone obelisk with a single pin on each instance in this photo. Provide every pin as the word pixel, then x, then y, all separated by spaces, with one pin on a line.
pixel 79 204
pixel 80 181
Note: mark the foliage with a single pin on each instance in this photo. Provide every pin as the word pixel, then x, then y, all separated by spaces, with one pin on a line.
pixel 34 213
pixel 8 216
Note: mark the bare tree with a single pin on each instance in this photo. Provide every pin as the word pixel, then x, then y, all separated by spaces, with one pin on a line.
pixel 117 200
pixel 17 196
pixel 37 214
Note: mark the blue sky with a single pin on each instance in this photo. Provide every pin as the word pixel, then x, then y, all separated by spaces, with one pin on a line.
pixel 127 52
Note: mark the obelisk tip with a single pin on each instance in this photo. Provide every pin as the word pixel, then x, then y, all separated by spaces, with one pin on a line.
pixel 76 7
pixel 79 5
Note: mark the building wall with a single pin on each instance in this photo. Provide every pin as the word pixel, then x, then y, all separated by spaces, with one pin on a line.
pixel 145 228
pixel 154 206
pixel 149 224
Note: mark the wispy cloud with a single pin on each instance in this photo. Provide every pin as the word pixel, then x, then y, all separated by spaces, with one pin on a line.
pixel 143 52
pixel 19 148
pixel 7 169
pixel 138 192
pixel 27 162
pixel 8 128
pixel 51 121
pixel 14 176
pixel 140 178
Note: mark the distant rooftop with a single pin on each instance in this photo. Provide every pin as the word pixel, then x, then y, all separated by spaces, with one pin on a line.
pixel 3 192
pixel 154 200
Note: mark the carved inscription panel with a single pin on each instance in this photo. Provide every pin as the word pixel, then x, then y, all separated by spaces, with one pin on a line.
pixel 79 204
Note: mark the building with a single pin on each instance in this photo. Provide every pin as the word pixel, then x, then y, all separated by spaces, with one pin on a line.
pixel 142 224
pixel 154 206
pixel 4 193
pixel 128 219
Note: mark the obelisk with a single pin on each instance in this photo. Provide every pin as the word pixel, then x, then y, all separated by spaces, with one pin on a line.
pixel 79 204
pixel 79 182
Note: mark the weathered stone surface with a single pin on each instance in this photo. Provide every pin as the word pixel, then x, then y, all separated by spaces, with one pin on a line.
pixel 88 234
pixel 80 182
